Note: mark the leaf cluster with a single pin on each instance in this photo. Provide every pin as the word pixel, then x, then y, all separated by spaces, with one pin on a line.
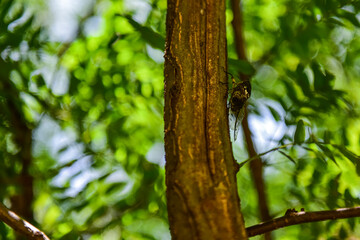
pixel 303 89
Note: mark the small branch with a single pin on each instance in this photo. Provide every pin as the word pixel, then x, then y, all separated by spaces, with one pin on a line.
pixel 19 225
pixel 294 218
pixel 264 153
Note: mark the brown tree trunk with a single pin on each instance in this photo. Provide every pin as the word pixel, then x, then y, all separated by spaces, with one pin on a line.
pixel 257 172
pixel 203 202
pixel 21 201
pixel 256 166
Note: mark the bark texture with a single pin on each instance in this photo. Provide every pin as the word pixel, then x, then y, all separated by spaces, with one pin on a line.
pixel 293 217
pixel 203 202
pixel 21 226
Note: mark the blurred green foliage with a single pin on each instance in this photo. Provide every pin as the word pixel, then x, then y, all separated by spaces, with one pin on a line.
pixel 94 103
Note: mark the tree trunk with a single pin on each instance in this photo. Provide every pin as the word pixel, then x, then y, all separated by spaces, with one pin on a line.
pixel 256 166
pixel 203 202
pixel 21 201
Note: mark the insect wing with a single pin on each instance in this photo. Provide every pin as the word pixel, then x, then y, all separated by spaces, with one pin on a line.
pixel 235 121
pixel 239 118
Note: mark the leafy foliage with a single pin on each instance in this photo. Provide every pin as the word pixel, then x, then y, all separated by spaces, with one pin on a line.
pixel 300 51
pixel 96 181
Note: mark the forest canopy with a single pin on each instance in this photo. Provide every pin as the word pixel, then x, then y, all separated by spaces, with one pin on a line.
pixel 81 114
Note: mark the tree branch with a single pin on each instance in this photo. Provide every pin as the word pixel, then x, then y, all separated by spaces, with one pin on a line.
pixel 19 225
pixel 264 153
pixel 293 217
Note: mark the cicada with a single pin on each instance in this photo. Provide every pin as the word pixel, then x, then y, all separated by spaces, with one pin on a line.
pixel 240 93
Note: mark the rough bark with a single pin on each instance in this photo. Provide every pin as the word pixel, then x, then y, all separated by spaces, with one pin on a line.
pixel 203 202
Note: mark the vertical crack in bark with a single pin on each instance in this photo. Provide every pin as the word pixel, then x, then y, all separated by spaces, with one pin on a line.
pixel 210 159
pixel 191 217
pixel 201 187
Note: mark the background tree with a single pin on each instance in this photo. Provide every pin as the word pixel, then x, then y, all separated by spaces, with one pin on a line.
pixel 81 114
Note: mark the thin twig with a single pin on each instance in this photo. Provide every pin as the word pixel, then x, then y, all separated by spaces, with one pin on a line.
pixel 294 218
pixel 19 225
pixel 264 153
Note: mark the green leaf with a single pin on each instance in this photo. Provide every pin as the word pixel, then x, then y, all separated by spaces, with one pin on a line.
pixel 333 194
pixel 336 21
pixel 15 15
pixel 323 82
pixel 3 230
pixel 288 157
pixel 348 154
pixel 318 154
pixel 291 91
pixel 326 151
pixel 299 136
pixel 343 233
pixel 153 38
pixel 303 80
pixel 115 188
pixel 355 159
pixel 329 77
pixel 351 17
pixel 351 222
pixel 25 26
pixel 274 113
pixel 327 136
pixel 113 40
pixel 38 80
pixel 4 10
pixel 242 66
pixel 348 198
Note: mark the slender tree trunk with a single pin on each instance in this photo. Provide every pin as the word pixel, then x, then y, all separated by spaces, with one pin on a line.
pixel 21 201
pixel 203 202
pixel 256 166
